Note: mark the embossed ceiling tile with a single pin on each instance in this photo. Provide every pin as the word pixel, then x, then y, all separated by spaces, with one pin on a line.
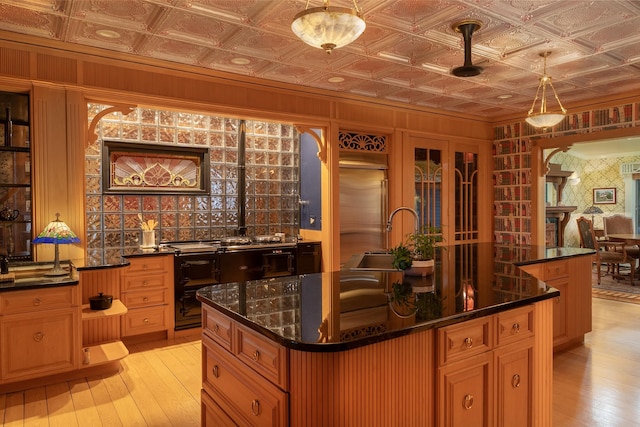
pixel 32 22
pixel 367 68
pixel 174 50
pixel 406 16
pixel 133 14
pixel 254 42
pixel 233 62
pixel 623 32
pixel 298 75
pixel 582 17
pixel 88 33
pixel 196 28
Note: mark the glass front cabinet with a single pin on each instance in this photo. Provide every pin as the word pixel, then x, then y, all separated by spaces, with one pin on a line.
pixel 15 176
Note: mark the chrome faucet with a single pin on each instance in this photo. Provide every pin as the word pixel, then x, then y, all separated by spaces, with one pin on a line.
pixel 404 208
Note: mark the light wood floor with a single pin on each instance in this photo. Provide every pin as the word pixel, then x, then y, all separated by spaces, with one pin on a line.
pixel 597 384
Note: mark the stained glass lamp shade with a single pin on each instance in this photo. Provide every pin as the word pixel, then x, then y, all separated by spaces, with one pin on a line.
pixel 57 232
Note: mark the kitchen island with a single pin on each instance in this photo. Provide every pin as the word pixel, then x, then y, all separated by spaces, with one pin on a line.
pixel 470 345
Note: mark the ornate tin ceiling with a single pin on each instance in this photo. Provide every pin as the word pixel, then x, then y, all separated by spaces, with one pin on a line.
pixel 405 54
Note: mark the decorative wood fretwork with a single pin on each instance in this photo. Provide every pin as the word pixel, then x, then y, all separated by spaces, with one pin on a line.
pixel 92 136
pixel 362 142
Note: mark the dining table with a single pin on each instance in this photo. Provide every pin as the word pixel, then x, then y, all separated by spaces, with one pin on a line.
pixel 630 239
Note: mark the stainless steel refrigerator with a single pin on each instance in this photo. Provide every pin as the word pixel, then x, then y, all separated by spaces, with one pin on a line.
pixel 363 205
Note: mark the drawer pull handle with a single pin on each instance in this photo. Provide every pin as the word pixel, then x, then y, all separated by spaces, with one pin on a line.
pixel 515 328
pixel 146 320
pixel 145 282
pixel 256 355
pixel 145 266
pixel 38 336
pixel 145 299
pixel 255 407
pixel 468 401
pixel 216 371
pixel 37 301
pixel 216 328
pixel 515 381
pixel 468 342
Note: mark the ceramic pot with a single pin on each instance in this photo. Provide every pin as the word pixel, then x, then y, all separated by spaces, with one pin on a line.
pixel 421 268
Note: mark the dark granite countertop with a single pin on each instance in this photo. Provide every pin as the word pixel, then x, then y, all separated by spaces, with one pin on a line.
pixel 31 275
pixel 339 310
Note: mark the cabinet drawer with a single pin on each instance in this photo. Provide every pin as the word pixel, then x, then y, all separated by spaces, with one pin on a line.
pixel 217 326
pixel 263 356
pixel 144 320
pixel 146 298
pixel 36 344
pixel 245 396
pixel 138 282
pixel 514 325
pixel 211 414
pixel 466 339
pixel 38 299
pixel 554 270
pixel 150 264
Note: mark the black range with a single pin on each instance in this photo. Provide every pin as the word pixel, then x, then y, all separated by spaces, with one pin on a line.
pixel 202 263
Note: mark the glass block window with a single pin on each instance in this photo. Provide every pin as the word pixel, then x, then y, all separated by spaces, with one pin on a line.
pixel 271 181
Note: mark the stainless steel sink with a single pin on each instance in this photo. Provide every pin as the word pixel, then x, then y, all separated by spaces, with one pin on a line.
pixel 373 261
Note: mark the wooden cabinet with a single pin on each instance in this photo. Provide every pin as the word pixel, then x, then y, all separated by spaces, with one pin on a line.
pixel 490 371
pixel 147 292
pixel 15 176
pixel 244 373
pixel 572 309
pixel 485 371
pixel 39 332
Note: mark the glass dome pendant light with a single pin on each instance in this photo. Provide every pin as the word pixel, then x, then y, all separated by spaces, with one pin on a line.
pixel 328 27
pixel 545 119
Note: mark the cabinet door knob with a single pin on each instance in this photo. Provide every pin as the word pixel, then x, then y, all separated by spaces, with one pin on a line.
pixel 255 407
pixel 145 282
pixel 256 355
pixel 515 328
pixel 515 381
pixel 467 402
pixel 38 336
pixel 216 371
pixel 145 299
pixel 146 320
pixel 468 342
pixel 37 301
pixel 216 328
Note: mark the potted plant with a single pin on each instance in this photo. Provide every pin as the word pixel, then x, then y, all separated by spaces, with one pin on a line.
pixel 422 246
pixel 402 257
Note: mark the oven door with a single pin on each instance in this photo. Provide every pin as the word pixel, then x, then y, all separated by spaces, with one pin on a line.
pixel 278 262
pixel 192 272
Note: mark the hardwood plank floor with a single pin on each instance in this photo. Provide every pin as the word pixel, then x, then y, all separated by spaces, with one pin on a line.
pixel 596 384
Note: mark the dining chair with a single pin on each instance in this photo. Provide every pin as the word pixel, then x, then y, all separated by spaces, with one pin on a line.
pixel 620 224
pixel 610 253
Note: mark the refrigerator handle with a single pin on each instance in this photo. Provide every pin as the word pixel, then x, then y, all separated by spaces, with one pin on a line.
pixel 384 199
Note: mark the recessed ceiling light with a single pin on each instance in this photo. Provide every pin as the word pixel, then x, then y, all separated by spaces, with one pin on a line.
pixel 335 79
pixel 240 61
pixel 505 96
pixel 108 34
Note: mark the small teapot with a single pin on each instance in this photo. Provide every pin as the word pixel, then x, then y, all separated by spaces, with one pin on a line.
pixel 7 214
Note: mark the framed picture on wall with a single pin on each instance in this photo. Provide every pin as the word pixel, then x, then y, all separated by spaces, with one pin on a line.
pixel 604 196
pixel 144 168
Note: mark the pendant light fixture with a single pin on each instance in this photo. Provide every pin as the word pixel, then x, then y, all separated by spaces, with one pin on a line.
pixel 328 27
pixel 543 118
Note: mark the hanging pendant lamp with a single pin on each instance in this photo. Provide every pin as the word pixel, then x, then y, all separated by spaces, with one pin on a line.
pixel 328 27
pixel 543 118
